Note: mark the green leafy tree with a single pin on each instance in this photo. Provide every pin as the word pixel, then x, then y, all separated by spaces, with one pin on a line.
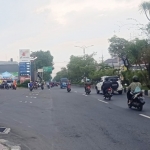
pixel 145 6
pixel 80 67
pixel 44 59
pixel 118 47
pixel 61 74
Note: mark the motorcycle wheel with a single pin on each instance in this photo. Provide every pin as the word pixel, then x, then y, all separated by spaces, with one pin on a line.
pixel 130 106
pixel 140 108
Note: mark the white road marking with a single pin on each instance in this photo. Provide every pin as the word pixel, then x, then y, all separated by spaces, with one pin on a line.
pixel 17 121
pixel 145 116
pixel 20 101
pixel 102 101
pixel 26 96
pixel 75 91
pixel 30 102
pixel 25 101
pixel 34 97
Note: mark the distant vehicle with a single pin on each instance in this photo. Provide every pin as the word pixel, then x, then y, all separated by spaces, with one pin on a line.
pixel 88 90
pixel 9 82
pixel 116 84
pixel 69 87
pixel 63 83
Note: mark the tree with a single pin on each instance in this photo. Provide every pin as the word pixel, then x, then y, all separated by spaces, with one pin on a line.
pixel 61 74
pixel 44 59
pixel 80 67
pixel 145 6
pixel 103 66
pixel 118 47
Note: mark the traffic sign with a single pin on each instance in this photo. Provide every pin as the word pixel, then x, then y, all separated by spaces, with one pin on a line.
pixel 47 69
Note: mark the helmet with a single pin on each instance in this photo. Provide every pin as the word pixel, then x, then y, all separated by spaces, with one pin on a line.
pixel 135 79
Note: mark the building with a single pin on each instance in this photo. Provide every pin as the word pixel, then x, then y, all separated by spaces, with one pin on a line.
pixel 9 66
pixel 114 62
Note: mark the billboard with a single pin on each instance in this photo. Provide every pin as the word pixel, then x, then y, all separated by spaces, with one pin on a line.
pixel 24 68
pixel 24 55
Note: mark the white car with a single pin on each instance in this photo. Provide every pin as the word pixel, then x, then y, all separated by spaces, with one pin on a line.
pixel 116 84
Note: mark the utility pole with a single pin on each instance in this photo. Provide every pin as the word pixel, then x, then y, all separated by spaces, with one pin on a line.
pixel 102 58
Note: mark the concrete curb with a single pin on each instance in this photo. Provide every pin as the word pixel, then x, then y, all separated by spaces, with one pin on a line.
pixel 9 145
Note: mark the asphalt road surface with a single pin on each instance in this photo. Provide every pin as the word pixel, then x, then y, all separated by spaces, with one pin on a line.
pixel 56 120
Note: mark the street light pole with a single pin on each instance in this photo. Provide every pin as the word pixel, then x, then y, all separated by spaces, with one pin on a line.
pixel 84 47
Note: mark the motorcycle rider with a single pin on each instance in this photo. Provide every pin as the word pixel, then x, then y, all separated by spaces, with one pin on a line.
pixel 14 84
pixel 31 84
pixel 134 87
pixel 106 84
pixel 87 83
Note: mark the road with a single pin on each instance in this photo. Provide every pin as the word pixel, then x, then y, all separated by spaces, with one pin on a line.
pixel 56 120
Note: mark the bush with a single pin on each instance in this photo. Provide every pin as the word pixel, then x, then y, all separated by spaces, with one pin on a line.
pixel 24 84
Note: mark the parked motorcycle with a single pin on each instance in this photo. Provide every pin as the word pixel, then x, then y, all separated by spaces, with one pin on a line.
pixel 69 88
pixel 88 89
pixel 137 101
pixel 108 94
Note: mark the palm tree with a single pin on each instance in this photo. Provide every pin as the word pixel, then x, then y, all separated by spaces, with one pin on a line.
pixel 145 6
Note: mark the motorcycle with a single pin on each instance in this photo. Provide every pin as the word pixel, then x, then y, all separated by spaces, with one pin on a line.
pixel 42 86
pixel 35 86
pixel 137 101
pixel 68 87
pixel 88 89
pixel 31 88
pixel 108 94
pixel 48 86
pixel 14 87
pixel 6 86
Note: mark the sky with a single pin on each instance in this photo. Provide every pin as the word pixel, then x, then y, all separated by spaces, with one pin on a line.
pixel 60 25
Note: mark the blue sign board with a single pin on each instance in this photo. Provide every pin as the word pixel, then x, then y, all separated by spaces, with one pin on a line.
pixel 24 68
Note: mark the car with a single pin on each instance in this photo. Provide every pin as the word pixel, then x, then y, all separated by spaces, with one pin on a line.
pixel 116 84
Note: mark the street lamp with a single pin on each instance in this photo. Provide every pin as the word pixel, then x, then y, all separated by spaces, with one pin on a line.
pixel 84 47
